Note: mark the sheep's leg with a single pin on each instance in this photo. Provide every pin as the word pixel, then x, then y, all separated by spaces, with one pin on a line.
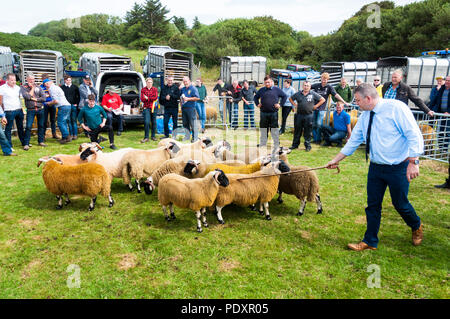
pixel 172 214
pixel 203 211
pixel 130 187
pixel 280 197
pixel 92 204
pixel 302 207
pixel 60 205
pixel 319 204
pixel 67 202
pixel 261 209
pixel 252 207
pixel 266 209
pixel 111 201
pixel 198 214
pixel 219 215
pixel 138 185
pixel 166 216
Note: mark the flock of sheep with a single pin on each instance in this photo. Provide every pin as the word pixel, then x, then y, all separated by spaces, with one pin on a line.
pixel 197 176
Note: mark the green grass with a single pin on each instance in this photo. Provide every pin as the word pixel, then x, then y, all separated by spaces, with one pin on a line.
pixel 248 257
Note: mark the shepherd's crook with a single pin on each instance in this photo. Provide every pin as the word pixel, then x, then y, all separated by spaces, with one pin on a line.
pixel 291 172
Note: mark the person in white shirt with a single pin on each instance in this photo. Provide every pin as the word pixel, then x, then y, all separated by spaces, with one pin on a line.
pixel 63 106
pixel 10 101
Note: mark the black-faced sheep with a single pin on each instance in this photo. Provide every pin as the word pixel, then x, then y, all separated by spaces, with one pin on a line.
pixel 249 155
pixel 195 194
pixel 88 179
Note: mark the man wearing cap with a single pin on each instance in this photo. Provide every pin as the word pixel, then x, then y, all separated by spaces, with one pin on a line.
pixel 378 86
pixel 49 109
pixel 93 120
pixel 34 98
pixel 113 105
pixel 63 106
pixel 10 98
pixel 86 88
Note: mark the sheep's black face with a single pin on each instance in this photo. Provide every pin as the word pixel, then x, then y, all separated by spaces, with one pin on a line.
pixel 191 167
pixel 148 186
pixel 174 148
pixel 283 167
pixel 222 179
pixel 86 153
pixel 207 141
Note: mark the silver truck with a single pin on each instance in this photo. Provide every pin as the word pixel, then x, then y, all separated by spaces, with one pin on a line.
pixel 351 71
pixel 419 72
pixel 169 62
pixel 96 62
pixel 42 61
pixel 6 61
pixel 240 68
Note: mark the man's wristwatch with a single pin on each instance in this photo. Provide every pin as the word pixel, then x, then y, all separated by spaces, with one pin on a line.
pixel 415 162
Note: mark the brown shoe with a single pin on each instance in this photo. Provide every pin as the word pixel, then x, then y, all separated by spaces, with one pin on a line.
pixel 26 148
pixel 417 236
pixel 42 144
pixel 64 141
pixel 145 140
pixel 360 247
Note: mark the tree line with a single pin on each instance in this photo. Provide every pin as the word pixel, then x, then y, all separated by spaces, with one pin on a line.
pixel 404 30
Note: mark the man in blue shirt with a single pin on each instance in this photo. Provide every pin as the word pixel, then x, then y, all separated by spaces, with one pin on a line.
pixel 270 96
pixel 341 127
pixel 189 97
pixel 394 142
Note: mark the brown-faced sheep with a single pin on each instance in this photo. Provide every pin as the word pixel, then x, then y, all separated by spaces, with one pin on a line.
pixel 195 194
pixel 211 114
pixel 87 179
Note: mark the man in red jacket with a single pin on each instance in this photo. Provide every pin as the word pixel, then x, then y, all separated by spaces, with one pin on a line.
pixel 113 105
pixel 149 95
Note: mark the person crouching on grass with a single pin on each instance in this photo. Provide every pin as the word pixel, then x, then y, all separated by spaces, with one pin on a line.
pixel 91 120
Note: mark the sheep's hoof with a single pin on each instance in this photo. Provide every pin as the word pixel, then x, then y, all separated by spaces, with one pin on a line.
pixel 252 207
pixel 205 225
pixel 139 191
pixel 280 201
pixel 299 214
pixel 111 204
pixel 168 219
pixel 268 217
pixel 91 208
pixel 320 211
pixel 67 202
pixel 199 229
pixel 59 207
pixel 261 212
pixel 221 222
pixel 130 188
pixel 172 216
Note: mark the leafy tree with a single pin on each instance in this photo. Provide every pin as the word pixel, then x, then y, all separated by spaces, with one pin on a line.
pixel 196 24
pixel 180 23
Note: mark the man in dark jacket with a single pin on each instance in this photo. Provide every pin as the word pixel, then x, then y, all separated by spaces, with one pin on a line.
pixel 400 91
pixel 72 94
pixel 270 96
pixel 440 105
pixel 169 98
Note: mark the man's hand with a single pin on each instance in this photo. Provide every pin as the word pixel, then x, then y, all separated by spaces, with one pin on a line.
pixel 85 127
pixel 102 124
pixel 4 121
pixel 332 164
pixel 277 106
pixel 412 171
pixel 431 113
pixel 167 97
pixel 259 105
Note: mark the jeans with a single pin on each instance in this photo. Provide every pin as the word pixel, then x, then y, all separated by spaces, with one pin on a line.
pixel 73 126
pixel 269 122
pixel 317 124
pixel 330 134
pixel 29 124
pixel 381 176
pixel 63 119
pixel 11 116
pixel 93 134
pixel 229 110
pixel 50 110
pixel 4 143
pixel 303 123
pixel 110 116
pixel 235 116
pixel 249 113
pixel 170 112
pixel 221 108
pixel 201 111
pixel 285 111
pixel 149 119
pixel 189 121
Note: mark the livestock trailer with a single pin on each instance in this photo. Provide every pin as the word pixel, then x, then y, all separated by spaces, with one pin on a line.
pixel 240 68
pixel 297 77
pixel 419 72
pixel 97 62
pixel 170 62
pixel 6 61
pixel 351 71
pixel 42 61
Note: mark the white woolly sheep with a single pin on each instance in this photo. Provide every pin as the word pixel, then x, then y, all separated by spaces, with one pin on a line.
pixel 88 179
pixel 196 194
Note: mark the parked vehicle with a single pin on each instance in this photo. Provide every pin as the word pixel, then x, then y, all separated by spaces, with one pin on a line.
pixel 351 71
pixel 6 61
pixel 42 61
pixel 77 76
pixel 240 68
pixel 169 61
pixel 96 62
pixel 419 73
pixel 16 64
pixel 438 54
pixel 297 73
pixel 128 84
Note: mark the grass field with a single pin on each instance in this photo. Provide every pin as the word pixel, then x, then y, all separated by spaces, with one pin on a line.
pixel 130 251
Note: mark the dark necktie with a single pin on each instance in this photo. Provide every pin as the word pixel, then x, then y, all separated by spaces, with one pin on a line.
pixel 369 129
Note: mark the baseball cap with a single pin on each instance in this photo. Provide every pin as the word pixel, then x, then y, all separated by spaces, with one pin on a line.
pixel 87 77
pixel 439 78
pixel 46 81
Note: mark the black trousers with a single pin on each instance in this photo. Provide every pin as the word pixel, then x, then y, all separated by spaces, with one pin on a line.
pixel 285 111
pixel 93 134
pixel 303 125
